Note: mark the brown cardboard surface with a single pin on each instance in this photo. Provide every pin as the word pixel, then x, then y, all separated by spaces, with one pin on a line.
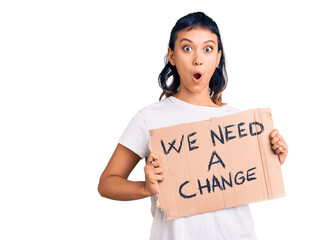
pixel 217 163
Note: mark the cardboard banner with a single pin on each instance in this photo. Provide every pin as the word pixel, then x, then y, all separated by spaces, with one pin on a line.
pixel 217 163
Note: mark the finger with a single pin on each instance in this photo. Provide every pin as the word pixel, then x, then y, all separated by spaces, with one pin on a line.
pixel 275 139
pixel 158 170
pixel 277 151
pixel 155 178
pixel 159 178
pixel 273 133
pixel 279 143
pixel 280 150
pixel 156 163
pixel 275 146
pixel 152 157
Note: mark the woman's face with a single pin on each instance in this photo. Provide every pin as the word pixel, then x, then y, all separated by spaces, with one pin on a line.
pixel 196 57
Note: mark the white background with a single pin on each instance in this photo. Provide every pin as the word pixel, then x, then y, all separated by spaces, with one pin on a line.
pixel 74 73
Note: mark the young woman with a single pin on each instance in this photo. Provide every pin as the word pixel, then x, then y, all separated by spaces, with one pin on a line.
pixel 196 63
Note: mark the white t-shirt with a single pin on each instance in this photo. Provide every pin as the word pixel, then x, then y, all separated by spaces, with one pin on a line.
pixel 226 224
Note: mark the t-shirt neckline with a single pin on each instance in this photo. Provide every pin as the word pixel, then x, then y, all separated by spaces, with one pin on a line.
pixel 193 106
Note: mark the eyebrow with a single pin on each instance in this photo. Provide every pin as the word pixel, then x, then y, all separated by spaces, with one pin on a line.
pixel 185 39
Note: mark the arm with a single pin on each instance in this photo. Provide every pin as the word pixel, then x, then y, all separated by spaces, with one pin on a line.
pixel 113 182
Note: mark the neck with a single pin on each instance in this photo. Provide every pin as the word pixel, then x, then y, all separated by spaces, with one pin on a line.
pixel 196 99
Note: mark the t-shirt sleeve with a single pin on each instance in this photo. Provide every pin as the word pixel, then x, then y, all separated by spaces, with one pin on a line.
pixel 136 135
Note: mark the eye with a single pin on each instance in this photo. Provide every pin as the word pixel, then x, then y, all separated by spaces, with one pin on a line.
pixel 187 48
pixel 208 49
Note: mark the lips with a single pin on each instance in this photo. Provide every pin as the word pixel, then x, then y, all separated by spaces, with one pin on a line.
pixel 197 76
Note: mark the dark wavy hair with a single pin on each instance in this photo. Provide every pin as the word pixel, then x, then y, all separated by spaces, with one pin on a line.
pixel 219 79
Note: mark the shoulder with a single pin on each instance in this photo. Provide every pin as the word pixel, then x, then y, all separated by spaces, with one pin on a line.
pixel 156 105
pixel 145 114
pixel 157 108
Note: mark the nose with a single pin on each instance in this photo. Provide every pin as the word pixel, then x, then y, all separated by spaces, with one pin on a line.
pixel 197 61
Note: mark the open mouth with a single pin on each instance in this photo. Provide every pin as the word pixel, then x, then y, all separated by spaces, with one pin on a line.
pixel 197 76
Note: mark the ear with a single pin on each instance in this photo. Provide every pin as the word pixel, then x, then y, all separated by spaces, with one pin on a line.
pixel 171 57
pixel 219 54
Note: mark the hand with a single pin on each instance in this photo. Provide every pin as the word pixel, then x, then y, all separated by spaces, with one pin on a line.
pixel 153 174
pixel 278 145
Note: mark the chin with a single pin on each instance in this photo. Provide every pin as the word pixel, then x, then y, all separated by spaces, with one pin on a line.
pixel 198 89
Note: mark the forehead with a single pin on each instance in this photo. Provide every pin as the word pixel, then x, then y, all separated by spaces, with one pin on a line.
pixel 196 35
